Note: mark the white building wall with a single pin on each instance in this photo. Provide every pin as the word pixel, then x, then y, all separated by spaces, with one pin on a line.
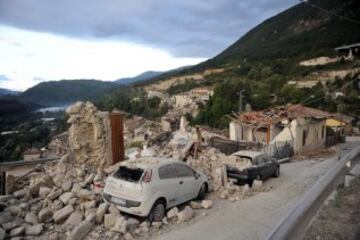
pixel 314 139
pixel 293 132
pixel 287 134
pixel 235 131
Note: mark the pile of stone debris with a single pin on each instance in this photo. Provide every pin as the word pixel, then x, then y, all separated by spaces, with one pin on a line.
pixel 65 202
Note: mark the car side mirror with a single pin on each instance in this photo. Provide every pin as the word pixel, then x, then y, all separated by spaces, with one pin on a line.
pixel 196 175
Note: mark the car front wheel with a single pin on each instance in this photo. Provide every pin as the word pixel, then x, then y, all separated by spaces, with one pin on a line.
pixel 277 171
pixel 157 212
pixel 202 192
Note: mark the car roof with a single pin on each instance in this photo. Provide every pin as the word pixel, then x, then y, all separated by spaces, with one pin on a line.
pixel 251 154
pixel 149 162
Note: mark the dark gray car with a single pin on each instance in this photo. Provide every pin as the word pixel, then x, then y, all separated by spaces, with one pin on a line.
pixel 259 167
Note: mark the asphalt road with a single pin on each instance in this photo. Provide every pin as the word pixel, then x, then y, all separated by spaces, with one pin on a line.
pixel 254 217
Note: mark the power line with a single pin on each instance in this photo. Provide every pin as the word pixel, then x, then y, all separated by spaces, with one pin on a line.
pixel 330 12
pixel 320 98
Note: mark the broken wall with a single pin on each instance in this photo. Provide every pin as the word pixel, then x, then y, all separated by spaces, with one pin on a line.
pixel 89 135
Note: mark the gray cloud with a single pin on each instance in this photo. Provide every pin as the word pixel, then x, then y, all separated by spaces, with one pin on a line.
pixel 191 28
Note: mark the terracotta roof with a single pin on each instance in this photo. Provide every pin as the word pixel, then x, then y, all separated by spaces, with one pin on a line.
pixel 277 114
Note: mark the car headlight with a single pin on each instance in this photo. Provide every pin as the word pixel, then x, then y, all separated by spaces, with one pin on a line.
pixel 131 203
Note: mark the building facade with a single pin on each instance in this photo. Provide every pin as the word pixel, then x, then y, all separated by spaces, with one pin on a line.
pixel 304 127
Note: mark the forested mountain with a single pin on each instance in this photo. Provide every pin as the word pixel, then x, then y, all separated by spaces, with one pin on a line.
pixel 57 93
pixel 7 92
pixel 304 31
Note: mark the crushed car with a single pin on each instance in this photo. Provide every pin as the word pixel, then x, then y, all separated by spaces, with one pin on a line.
pixel 252 165
pixel 148 186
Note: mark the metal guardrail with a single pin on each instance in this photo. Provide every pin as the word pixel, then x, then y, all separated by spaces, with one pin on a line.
pixel 295 223
pixel 5 166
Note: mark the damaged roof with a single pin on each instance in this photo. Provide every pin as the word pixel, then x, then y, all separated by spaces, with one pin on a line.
pixel 277 114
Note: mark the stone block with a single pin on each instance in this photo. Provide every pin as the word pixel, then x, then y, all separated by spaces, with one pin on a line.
pixel 2 234
pixel 81 231
pixel 44 214
pixel 206 204
pixel 101 212
pixel 63 214
pixel 44 191
pixel 34 230
pixel 195 205
pixel 17 231
pixel 65 197
pixel 172 213
pixel 186 214
pixel 31 218
pixel 110 220
pixel 74 219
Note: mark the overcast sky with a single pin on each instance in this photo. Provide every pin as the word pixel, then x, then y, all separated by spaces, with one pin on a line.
pixel 43 40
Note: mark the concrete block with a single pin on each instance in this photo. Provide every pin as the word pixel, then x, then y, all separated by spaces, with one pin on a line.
pixel 63 214
pixel 348 180
pixel 81 231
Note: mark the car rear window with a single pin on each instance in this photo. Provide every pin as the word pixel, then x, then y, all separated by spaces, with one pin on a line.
pixel 167 172
pixel 129 174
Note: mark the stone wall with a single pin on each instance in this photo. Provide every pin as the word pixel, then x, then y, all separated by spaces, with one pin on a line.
pixel 89 135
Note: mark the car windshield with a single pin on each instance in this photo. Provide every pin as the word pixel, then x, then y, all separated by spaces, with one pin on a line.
pixel 129 174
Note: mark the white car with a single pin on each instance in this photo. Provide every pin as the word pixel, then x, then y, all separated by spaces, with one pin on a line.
pixel 148 186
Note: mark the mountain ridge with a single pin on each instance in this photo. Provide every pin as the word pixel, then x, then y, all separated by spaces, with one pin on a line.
pixel 141 77
pixel 8 92
pixel 298 33
pixel 63 92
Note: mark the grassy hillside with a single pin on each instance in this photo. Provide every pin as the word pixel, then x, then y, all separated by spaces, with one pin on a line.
pixel 300 32
pixel 55 93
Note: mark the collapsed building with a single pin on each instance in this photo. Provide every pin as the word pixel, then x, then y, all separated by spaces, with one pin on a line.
pixel 63 199
pixel 95 137
pixel 303 127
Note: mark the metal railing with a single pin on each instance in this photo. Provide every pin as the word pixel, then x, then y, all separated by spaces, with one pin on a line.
pixel 5 166
pixel 295 223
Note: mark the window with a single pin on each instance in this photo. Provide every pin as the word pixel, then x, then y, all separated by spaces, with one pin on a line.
pixel 183 171
pixel 167 172
pixel 260 160
pixel 129 174
pixel 304 138
pixel 242 132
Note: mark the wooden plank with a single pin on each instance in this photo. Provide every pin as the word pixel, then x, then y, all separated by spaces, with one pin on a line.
pixel 117 137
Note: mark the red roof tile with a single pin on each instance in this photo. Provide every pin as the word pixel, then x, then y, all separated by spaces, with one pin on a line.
pixel 277 114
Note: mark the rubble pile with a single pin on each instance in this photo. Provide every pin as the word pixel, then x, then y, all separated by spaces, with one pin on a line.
pixel 89 134
pixel 58 146
pixel 138 131
pixel 65 202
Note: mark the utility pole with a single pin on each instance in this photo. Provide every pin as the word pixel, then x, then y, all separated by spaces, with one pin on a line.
pixel 240 93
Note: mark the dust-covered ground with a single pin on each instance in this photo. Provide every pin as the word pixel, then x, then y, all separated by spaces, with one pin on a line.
pixel 340 219
pixel 255 217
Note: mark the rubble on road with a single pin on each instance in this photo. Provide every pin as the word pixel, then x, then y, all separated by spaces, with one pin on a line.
pixel 185 215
